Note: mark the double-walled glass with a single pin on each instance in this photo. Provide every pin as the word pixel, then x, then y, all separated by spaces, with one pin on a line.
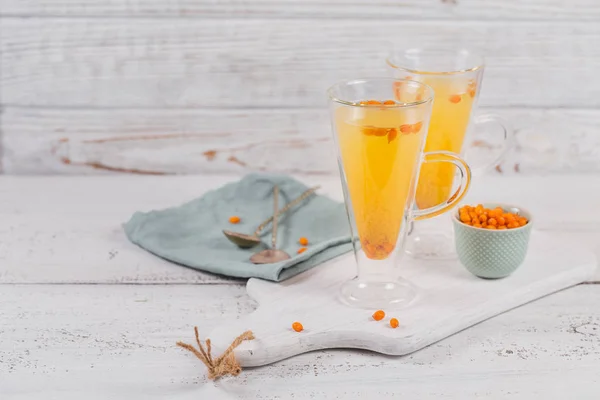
pixel 455 77
pixel 380 127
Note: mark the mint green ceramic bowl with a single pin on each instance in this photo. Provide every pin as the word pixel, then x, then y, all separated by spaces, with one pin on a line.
pixel 488 253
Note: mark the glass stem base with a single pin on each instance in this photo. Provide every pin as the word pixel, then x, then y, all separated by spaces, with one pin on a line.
pixel 396 294
pixel 431 244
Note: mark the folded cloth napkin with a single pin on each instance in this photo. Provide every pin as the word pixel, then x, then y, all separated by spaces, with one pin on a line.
pixel 192 234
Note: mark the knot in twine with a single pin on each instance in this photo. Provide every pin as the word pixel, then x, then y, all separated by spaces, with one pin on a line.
pixel 223 365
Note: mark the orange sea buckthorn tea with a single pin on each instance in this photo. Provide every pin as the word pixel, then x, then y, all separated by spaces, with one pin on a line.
pixel 455 77
pixel 379 128
pixel 454 100
pixel 380 149
pixel 455 81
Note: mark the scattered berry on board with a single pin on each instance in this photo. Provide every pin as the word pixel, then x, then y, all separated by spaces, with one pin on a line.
pixel 297 326
pixel 378 315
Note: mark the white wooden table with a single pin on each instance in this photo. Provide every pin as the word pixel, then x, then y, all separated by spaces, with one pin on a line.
pixel 86 314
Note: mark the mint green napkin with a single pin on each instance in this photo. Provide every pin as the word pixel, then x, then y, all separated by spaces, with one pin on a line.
pixel 192 234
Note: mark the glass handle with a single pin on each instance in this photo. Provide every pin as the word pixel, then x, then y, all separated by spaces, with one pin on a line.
pixel 507 144
pixel 465 182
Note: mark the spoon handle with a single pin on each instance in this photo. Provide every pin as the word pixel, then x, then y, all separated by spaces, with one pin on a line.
pixel 275 216
pixel 291 204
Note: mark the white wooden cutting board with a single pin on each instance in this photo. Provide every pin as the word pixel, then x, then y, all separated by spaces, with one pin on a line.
pixel 451 299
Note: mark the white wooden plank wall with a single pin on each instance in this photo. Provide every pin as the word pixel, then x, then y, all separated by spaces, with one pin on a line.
pixel 203 86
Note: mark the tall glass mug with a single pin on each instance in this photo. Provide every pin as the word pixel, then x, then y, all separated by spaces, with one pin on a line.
pixel 455 76
pixel 379 127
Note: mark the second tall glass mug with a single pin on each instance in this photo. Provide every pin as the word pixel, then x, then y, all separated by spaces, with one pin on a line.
pixel 455 76
pixel 380 126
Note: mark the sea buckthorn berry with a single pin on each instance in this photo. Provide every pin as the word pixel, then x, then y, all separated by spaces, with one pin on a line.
pixel 234 219
pixel 472 92
pixel 522 221
pixel 477 226
pixel 389 103
pixel 369 131
pixel 502 227
pixel 363 103
pixel 380 132
pixel 301 250
pixel 297 326
pixel 501 220
pixel 303 241
pixel 492 222
pixel 374 102
pixel 417 127
pixel 388 247
pixel 370 250
pixel 483 217
pixel 406 128
pixel 378 315
pixel 465 218
pixel 490 227
pixel 455 98
pixel 394 323
pixel 392 135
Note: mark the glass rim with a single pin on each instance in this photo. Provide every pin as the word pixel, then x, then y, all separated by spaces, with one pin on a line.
pixel 396 65
pixel 336 99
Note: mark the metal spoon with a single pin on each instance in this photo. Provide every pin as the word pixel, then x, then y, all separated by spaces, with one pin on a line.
pixel 246 241
pixel 272 255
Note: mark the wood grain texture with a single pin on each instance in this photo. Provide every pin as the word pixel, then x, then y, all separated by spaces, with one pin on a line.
pixel 276 63
pixel 67 141
pixel 376 9
pixel 118 342
pixel 167 141
pixel 68 229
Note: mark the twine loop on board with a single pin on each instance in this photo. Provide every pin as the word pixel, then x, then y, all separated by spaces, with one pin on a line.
pixel 224 364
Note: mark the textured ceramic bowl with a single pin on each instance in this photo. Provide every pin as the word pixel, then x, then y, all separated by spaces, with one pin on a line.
pixel 488 253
